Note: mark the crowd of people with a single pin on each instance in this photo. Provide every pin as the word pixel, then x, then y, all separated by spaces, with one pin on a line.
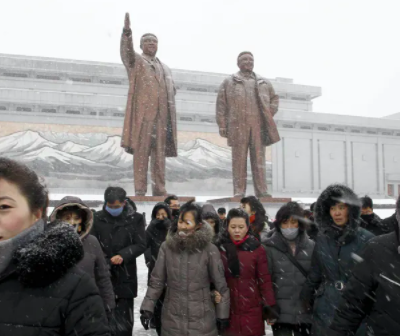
pixel 333 269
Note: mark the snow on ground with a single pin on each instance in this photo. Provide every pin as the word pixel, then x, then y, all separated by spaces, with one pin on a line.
pixel 142 282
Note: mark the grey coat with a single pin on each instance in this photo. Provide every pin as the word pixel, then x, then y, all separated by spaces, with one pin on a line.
pixel 186 267
pixel 93 262
pixel 287 278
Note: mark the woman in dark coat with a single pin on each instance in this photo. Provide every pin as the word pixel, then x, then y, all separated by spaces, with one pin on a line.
pixel 248 278
pixel 212 218
pixel 156 233
pixel 290 241
pixel 340 239
pixel 373 292
pixel 73 211
pixel 42 291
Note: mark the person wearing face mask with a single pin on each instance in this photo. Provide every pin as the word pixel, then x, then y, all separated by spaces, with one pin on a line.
pixel 248 278
pixel 370 220
pixel 156 233
pixel 336 253
pixel 121 233
pixel 42 291
pixel 186 264
pixel 72 210
pixel 289 252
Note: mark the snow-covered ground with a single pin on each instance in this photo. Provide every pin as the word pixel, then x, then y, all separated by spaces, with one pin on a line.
pixel 142 281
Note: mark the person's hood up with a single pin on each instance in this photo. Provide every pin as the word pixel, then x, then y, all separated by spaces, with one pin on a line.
pixel 160 206
pixel 331 195
pixel 48 256
pixel 71 201
pixel 208 211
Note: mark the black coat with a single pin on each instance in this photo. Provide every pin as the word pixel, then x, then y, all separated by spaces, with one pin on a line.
pixel 390 222
pixel 156 234
pixel 93 262
pixel 287 278
pixel 123 235
pixel 373 291
pixel 43 293
pixel 374 224
pixel 333 258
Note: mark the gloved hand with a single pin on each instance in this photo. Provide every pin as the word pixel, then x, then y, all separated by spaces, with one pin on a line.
pixel 145 317
pixel 222 325
pixel 271 312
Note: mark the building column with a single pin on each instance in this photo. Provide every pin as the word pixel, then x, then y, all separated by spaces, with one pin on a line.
pixel 349 163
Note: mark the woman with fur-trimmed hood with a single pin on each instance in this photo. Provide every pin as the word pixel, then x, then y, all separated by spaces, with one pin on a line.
pixel 337 245
pixel 186 264
pixel 75 212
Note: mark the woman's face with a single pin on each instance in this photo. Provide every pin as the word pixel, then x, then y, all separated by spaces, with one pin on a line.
pixel 237 228
pixel 161 214
pixel 72 217
pixel 186 223
pixel 291 223
pixel 247 208
pixel 340 214
pixel 15 214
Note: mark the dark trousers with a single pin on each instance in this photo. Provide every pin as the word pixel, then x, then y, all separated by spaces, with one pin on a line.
pixel 122 320
pixel 285 329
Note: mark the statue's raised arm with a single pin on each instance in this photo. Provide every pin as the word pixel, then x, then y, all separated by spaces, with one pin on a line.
pixel 127 51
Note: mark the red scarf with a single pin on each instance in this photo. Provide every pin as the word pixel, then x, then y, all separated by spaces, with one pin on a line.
pixel 240 242
pixel 252 219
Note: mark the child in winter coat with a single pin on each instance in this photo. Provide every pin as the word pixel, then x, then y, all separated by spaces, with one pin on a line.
pixel 289 252
pixel 75 212
pixel 186 264
pixel 248 278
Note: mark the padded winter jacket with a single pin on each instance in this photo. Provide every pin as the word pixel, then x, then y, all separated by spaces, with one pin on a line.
pixel 93 262
pixel 373 291
pixel 123 235
pixel 249 292
pixel 43 293
pixel 287 279
pixel 374 224
pixel 186 266
pixel 335 255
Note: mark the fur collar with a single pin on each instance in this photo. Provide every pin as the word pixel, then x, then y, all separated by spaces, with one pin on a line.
pixel 49 256
pixel 342 193
pixel 194 243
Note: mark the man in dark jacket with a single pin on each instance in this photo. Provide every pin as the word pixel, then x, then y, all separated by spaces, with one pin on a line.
pixel 121 232
pixel 391 222
pixel 370 220
pixel 173 203
pixel 374 290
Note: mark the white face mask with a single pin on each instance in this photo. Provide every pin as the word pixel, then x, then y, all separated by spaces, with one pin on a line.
pixel 290 233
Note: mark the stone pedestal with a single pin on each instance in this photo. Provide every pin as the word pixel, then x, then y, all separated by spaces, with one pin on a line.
pixel 271 204
pixel 145 204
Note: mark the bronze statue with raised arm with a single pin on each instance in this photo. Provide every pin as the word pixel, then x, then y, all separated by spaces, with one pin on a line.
pixel 246 105
pixel 150 117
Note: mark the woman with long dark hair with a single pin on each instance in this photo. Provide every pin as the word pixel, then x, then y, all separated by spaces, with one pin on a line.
pixel 257 216
pixel 247 275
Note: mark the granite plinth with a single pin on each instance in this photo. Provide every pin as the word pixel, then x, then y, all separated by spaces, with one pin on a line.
pixel 157 199
pixel 271 204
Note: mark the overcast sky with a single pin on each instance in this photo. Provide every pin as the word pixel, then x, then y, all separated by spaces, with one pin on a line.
pixel 348 47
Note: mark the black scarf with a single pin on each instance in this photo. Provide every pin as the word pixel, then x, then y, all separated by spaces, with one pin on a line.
pixel 231 250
